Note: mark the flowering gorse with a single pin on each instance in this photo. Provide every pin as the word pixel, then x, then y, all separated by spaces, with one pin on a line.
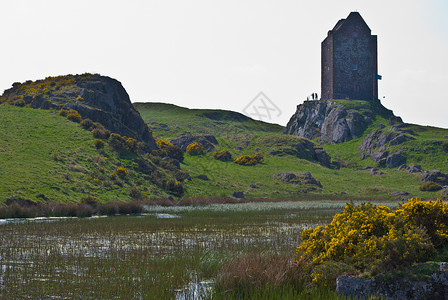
pixel 369 238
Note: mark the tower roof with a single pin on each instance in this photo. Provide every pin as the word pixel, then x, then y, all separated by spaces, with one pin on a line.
pixel 354 16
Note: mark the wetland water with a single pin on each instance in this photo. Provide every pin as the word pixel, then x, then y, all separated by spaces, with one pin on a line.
pixel 158 255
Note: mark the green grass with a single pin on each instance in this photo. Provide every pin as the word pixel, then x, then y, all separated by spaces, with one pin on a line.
pixel 200 121
pixel 45 157
pixel 226 177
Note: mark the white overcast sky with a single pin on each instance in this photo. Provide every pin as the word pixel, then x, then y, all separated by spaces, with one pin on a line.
pixel 221 54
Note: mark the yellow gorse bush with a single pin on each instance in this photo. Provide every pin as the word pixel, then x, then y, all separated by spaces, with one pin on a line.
pixel 375 238
pixel 195 148
pixel 249 160
pixel 163 143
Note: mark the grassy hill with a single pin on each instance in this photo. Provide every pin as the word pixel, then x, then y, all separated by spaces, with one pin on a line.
pixel 46 157
pixel 168 121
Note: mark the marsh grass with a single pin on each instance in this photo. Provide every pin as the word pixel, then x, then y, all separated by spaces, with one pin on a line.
pixel 148 257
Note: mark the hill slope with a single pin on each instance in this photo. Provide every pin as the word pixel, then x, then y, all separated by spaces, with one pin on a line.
pixel 280 156
pixel 45 157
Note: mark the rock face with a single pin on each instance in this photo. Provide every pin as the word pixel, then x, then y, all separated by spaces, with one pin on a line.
pixel 376 143
pixel 99 98
pixel 305 149
pixel 435 176
pixel 304 178
pixel 328 121
pixel 206 140
pixel 107 102
pixel 434 288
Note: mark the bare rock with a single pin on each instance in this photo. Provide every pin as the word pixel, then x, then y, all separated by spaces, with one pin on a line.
pixel 435 176
pixel 395 160
pixel 202 177
pixel 330 122
pixel 238 195
pixel 206 140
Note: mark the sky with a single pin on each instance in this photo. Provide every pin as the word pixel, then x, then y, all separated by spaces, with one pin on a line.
pixel 223 54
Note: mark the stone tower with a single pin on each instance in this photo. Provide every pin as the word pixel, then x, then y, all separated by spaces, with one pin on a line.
pixel 349 61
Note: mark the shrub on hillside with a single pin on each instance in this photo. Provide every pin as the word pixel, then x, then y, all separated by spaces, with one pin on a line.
pixel 223 155
pixel 249 160
pixel 174 187
pixel 430 187
pixel 445 146
pixel 168 149
pixel 89 200
pixel 99 144
pixel 99 131
pixel 195 148
pixel 87 124
pixel 116 141
pixel 132 145
pixel 369 238
pixel 71 114
pixel 121 172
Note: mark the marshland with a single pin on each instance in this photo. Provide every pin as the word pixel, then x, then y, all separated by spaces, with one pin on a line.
pixel 214 251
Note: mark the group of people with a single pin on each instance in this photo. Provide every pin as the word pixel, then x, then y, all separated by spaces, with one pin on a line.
pixel 313 97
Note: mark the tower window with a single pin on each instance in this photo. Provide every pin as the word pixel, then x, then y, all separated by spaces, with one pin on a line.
pixel 355 67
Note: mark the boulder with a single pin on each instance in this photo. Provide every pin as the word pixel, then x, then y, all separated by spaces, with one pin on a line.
pixel 202 177
pixel 288 177
pixel 398 140
pixel 434 287
pixel 322 157
pixel 375 171
pixel 413 168
pixel 307 178
pixel 435 176
pixel 238 195
pixel 206 140
pixel 399 193
pixel 354 287
pixel 395 160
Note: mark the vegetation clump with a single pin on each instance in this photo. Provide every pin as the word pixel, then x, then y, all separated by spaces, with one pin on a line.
pixel 430 187
pixel 166 148
pixel 195 148
pixel 249 160
pixel 223 155
pixel 71 114
pixel 121 172
pixel 445 146
pixel 99 144
pixel 373 239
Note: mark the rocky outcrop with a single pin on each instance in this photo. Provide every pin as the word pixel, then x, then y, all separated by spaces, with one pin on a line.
pixel 376 143
pixel 328 121
pixel 412 168
pixel 206 140
pixel 305 149
pixel 435 176
pixel 402 288
pixel 99 98
pixel 107 102
pixel 297 178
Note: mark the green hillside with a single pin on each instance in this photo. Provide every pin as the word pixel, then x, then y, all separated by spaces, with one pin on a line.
pixel 168 121
pixel 46 157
